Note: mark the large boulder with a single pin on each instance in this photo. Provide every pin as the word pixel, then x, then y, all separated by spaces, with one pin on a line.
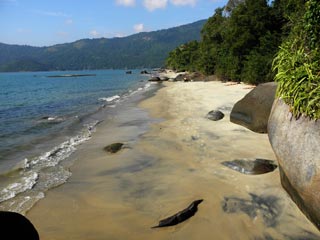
pixel 296 143
pixel 188 77
pixel 254 109
pixel 197 76
pixel 16 226
pixel 182 77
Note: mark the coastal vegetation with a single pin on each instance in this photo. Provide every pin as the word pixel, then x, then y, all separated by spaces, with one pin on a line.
pixel 239 41
pixel 298 64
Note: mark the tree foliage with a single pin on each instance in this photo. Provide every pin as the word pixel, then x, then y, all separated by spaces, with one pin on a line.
pixel 185 57
pixel 240 40
pixel 298 64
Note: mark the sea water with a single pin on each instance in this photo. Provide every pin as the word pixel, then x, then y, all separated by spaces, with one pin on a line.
pixel 44 116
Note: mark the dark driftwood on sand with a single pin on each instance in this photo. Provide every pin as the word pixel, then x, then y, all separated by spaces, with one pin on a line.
pixel 180 216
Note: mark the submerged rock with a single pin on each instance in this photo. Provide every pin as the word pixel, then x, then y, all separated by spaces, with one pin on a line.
pixel 180 216
pixel 296 144
pixel 254 109
pixel 16 226
pixel 215 115
pixel 267 206
pixel 251 167
pixel 114 147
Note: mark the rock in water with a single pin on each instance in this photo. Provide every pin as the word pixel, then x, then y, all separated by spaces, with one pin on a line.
pixel 215 115
pixel 180 216
pixel 114 147
pixel 254 109
pixel 252 167
pixel 15 226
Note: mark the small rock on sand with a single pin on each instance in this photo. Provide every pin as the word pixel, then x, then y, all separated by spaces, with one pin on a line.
pixel 114 147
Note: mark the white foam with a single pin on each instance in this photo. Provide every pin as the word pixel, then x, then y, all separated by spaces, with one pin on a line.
pixel 30 170
pixel 59 153
pixel 110 99
pixel 24 183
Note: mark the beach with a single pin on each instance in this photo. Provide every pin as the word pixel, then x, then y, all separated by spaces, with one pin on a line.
pixel 172 156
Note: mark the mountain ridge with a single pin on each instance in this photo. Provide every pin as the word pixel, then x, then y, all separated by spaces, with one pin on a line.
pixel 140 50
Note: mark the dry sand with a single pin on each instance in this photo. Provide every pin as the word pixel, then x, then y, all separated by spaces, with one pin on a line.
pixel 167 166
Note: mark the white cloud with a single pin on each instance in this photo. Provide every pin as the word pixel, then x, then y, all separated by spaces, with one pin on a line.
pixel 183 2
pixel 155 4
pixel 68 22
pixel 127 3
pixel 52 14
pixel 94 33
pixel 138 27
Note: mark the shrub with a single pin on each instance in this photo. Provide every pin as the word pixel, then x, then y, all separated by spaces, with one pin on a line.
pixel 298 65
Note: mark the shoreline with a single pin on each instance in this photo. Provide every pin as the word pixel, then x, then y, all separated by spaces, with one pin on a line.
pixel 174 157
pixel 28 173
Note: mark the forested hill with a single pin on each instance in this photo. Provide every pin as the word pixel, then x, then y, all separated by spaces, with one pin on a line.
pixel 147 49
pixel 239 42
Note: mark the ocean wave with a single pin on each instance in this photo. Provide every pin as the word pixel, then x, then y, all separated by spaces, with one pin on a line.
pixel 35 176
pixel 142 88
pixel 24 183
pixel 51 119
pixel 110 99
pixel 59 153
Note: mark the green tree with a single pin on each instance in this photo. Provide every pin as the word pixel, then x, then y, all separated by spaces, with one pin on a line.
pixel 211 40
pixel 185 57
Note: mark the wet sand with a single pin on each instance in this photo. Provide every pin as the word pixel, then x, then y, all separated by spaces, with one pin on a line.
pixel 173 156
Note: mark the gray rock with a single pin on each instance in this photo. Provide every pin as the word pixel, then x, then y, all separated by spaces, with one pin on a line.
pixel 215 115
pixel 114 147
pixel 155 79
pixel 164 79
pixel 296 144
pixel 196 76
pixel 254 109
pixel 188 77
pixel 251 167
pixel 182 77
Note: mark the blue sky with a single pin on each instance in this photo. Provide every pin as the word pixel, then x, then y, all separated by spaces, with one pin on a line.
pixel 48 22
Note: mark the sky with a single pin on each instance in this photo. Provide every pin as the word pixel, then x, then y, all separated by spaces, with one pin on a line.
pixel 49 22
